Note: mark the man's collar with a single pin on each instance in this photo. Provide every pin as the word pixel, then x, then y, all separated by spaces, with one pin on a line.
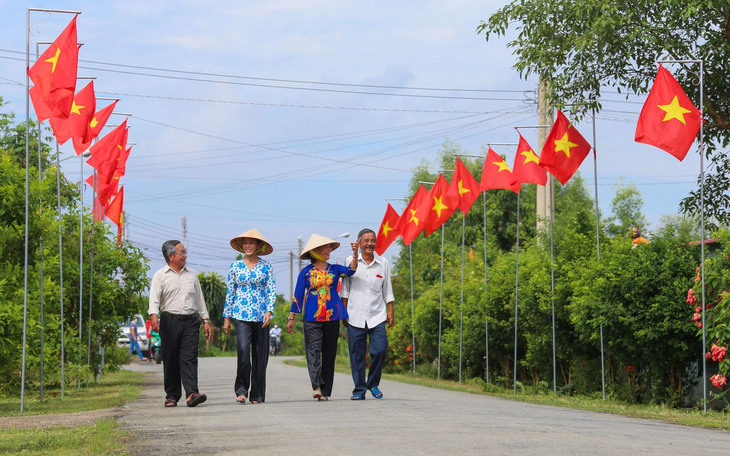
pixel 169 268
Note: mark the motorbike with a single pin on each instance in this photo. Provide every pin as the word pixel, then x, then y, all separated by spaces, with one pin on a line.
pixel 155 347
pixel 272 345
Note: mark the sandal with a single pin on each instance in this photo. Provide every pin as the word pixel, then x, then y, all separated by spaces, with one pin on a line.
pixel 317 393
pixel 170 402
pixel 241 399
pixel 255 402
pixel 357 397
pixel 375 391
pixel 323 398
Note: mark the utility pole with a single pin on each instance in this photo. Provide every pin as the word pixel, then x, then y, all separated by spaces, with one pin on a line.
pixel 291 276
pixel 185 232
pixel 545 116
pixel 299 255
pixel 125 226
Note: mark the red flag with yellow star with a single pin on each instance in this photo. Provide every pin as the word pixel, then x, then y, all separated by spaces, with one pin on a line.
pixel 564 150
pixel 439 205
pixel 54 76
pixel 77 123
pixel 106 152
pixel 97 122
pixel 464 187
pixel 668 119
pixel 527 168
pixel 115 211
pixel 412 222
pixel 388 231
pixel 496 174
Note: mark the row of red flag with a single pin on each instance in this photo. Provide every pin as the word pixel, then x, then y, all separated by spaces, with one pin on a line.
pixel 668 120
pixel 73 116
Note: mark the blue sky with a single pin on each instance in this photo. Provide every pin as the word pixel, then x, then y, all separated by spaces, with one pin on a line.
pixel 230 153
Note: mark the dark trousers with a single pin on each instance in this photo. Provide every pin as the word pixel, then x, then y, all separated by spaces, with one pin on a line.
pixel 253 357
pixel 320 345
pixel 357 341
pixel 180 354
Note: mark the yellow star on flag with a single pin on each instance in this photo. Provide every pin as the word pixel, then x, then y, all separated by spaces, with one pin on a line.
pixel 530 157
pixel 76 109
pixel 54 59
pixel 674 111
pixel 502 166
pixel 438 205
pixel 93 122
pixel 564 145
pixel 414 219
pixel 462 189
pixel 386 228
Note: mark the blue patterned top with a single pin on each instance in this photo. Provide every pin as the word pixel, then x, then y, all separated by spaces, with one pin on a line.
pixel 321 303
pixel 251 292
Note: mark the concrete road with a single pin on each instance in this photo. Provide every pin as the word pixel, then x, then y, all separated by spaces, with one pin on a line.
pixel 410 419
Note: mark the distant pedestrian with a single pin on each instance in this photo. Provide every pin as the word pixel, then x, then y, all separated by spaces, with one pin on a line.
pixel 134 338
pixel 175 296
pixel 315 295
pixel 636 238
pixel 250 301
pixel 276 334
pixel 368 296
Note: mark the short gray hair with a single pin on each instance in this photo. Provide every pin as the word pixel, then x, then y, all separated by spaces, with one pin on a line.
pixel 168 248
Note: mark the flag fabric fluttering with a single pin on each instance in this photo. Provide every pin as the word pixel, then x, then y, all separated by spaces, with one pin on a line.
pixel 496 174
pixel 412 221
pixel 388 231
pixel 527 168
pixel 464 187
pixel 97 122
pixel 105 153
pixel 564 150
pixel 669 120
pixel 77 123
pixel 114 212
pixel 54 76
pixel 439 205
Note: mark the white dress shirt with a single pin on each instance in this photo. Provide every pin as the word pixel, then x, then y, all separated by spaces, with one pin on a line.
pixel 177 293
pixel 367 292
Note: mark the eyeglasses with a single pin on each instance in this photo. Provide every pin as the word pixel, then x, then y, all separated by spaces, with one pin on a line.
pixel 181 252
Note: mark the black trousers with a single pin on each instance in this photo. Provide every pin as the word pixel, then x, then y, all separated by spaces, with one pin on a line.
pixel 179 354
pixel 253 357
pixel 320 344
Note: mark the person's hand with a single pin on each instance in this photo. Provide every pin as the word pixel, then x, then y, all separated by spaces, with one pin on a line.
pixel 155 326
pixel 391 318
pixel 267 319
pixel 227 326
pixel 208 332
pixel 290 326
pixel 344 322
pixel 355 246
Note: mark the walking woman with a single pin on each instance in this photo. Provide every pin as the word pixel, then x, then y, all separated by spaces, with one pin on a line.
pixel 316 295
pixel 250 303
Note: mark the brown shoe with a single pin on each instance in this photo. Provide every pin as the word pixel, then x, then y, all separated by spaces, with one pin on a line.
pixel 196 399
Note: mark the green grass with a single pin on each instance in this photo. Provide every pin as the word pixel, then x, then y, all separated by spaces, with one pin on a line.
pixel 102 437
pixel 688 417
pixel 114 389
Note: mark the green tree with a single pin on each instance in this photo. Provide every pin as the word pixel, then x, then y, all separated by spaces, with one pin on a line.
pixel 580 47
pixel 626 207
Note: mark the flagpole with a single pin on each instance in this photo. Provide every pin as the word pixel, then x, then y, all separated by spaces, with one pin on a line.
pixel 484 211
pixel 441 300
pixel 413 312
pixel 598 248
pixel 461 323
pixel 40 249
pixel 517 289
pixel 94 197
pixel 60 266
pixel 552 279
pixel 81 262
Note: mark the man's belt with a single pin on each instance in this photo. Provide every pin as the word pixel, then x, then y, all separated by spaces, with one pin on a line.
pixel 180 317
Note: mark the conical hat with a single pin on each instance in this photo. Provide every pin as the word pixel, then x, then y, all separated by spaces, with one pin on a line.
pixel 265 248
pixel 315 241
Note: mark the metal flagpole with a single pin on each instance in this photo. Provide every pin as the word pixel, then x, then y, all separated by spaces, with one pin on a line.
pixel 461 323
pixel 702 221
pixel 598 248
pixel 413 312
pixel 552 279
pixel 484 210
pixel 91 278
pixel 40 251
pixel 81 263
pixel 441 300
pixel 60 267
pixel 486 337
pixel 517 289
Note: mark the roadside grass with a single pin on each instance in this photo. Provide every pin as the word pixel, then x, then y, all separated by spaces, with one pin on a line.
pixel 101 437
pixel 114 389
pixel 687 417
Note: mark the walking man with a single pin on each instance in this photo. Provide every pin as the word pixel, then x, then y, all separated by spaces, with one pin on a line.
pixel 176 308
pixel 366 295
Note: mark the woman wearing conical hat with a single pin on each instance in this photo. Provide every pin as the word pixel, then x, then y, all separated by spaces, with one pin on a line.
pixel 250 300
pixel 315 295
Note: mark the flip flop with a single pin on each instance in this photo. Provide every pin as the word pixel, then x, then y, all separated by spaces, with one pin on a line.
pixel 323 398
pixel 170 402
pixel 377 394
pixel 357 397
pixel 241 401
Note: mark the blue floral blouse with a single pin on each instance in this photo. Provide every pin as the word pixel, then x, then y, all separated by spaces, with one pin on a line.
pixel 322 302
pixel 251 292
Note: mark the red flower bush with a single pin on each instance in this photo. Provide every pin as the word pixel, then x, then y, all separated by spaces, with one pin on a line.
pixel 718 380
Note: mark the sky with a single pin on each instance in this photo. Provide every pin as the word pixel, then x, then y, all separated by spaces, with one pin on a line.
pixel 303 117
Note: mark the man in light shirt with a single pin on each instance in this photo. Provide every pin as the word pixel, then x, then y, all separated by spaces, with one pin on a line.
pixel 176 308
pixel 368 296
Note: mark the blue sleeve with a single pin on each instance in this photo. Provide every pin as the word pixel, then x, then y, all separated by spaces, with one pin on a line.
pixel 230 293
pixel 270 289
pixel 298 302
pixel 345 271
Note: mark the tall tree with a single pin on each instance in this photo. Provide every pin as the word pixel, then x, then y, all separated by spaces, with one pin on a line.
pixel 580 47
pixel 626 207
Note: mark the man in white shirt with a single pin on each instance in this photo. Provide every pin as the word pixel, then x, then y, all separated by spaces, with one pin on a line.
pixel 276 334
pixel 366 295
pixel 176 308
